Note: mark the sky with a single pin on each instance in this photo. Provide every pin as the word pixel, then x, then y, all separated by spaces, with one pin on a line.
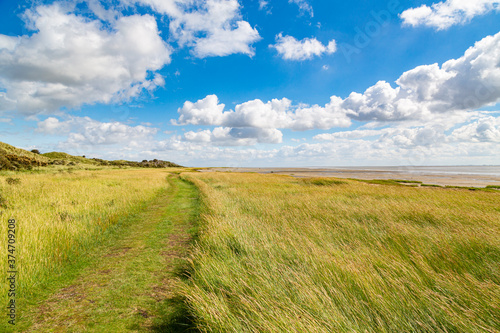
pixel 275 83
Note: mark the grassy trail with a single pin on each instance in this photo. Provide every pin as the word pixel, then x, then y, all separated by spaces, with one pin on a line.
pixel 131 284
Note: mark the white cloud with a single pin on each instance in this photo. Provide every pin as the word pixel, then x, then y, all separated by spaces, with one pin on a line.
pixel 70 61
pixel 84 131
pixel 423 94
pixel 210 27
pixel 400 137
pixel 405 144
pixel 304 6
pixel 53 126
pixel 226 136
pixel 443 15
pixel 257 114
pixel 205 111
pixel 467 83
pixel 263 4
pixel 483 130
pixel 290 48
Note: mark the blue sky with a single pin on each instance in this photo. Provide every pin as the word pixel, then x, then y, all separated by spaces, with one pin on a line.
pixel 254 83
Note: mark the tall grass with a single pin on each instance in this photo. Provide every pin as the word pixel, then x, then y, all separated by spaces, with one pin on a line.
pixel 62 215
pixel 277 254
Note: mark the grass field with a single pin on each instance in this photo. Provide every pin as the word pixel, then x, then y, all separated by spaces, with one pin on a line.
pixel 62 215
pixel 279 254
pixel 274 253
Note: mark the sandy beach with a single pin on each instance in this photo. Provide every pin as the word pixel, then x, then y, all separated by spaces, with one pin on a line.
pixel 477 176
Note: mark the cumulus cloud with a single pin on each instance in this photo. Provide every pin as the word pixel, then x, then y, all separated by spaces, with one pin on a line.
pixel 226 136
pixel 206 111
pixel 257 114
pixel 89 132
pixel 210 27
pixel 304 6
pixel 467 83
pixel 289 48
pixel 423 94
pixel 483 130
pixel 445 14
pixel 70 61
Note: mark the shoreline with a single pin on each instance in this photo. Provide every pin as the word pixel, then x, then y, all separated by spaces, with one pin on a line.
pixel 473 176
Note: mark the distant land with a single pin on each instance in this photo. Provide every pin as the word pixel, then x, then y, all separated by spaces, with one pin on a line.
pixel 12 158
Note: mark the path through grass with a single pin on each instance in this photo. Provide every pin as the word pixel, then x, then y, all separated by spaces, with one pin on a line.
pixel 131 284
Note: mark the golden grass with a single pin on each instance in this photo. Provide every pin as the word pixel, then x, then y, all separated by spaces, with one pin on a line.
pixel 278 254
pixel 61 215
pixel 21 152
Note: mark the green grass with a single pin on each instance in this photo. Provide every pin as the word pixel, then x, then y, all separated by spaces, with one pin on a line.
pixel 276 255
pixel 402 181
pixel 322 181
pixel 128 281
pixel 61 216
pixel 387 182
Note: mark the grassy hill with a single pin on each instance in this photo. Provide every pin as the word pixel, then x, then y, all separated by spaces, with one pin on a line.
pixel 12 158
pixel 69 158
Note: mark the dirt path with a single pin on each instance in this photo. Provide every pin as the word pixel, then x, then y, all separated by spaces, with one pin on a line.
pixel 132 285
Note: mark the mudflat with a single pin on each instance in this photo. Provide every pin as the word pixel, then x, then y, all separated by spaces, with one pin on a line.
pixel 477 176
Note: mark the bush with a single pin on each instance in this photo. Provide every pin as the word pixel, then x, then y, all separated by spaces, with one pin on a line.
pixel 35 151
pixel 323 181
pixel 13 181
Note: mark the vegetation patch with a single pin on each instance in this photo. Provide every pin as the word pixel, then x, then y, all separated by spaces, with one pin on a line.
pixel 13 181
pixel 319 181
pixel 388 182
pixel 402 181
pixel 12 158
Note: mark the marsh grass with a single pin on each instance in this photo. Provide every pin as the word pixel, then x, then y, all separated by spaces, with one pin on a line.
pixel 322 181
pixel 276 254
pixel 60 216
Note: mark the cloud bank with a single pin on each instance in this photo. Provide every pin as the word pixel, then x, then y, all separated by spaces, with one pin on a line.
pixel 277 113
pixel 423 93
pixel 84 131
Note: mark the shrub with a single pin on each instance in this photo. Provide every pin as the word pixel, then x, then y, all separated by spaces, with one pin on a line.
pixel 322 181
pixel 13 181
